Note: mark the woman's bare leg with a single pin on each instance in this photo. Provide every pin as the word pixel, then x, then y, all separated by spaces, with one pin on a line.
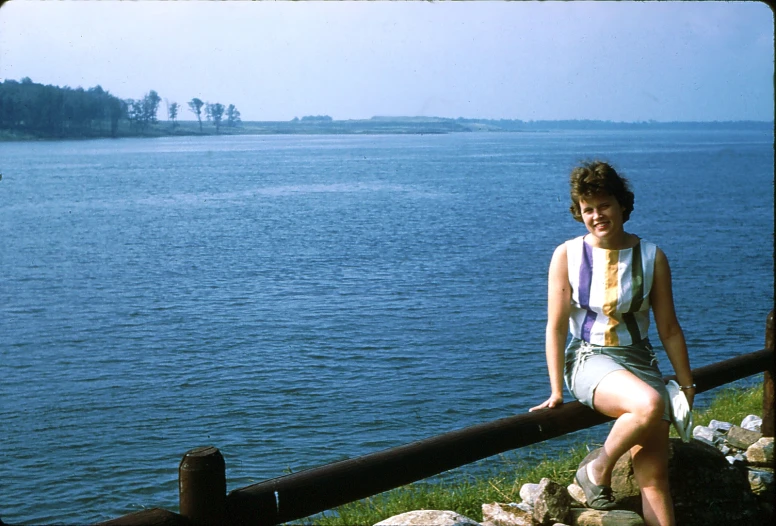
pixel 638 409
pixel 650 467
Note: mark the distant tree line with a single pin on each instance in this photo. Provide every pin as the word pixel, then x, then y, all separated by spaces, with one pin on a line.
pixel 313 119
pixel 591 124
pixel 53 111
pixel 50 111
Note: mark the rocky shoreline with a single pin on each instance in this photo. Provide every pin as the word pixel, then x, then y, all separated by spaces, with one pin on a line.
pixel 723 476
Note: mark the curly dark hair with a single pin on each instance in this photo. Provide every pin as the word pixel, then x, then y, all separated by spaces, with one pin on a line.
pixel 599 178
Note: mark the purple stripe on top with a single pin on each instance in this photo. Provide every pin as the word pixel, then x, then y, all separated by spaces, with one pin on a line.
pixel 585 282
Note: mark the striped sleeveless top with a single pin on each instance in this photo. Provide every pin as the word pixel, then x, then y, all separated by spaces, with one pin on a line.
pixel 610 292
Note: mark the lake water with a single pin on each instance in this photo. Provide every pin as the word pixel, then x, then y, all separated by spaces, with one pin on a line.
pixel 297 300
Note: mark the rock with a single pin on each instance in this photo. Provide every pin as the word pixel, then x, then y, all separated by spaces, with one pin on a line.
pixel 721 427
pixel 627 494
pixel 428 518
pixel 761 452
pixel 737 459
pixel 528 493
pixel 708 435
pixel 577 494
pixel 505 515
pixel 752 423
pixel 742 438
pixel 551 503
pixel 707 490
pixel 762 484
pixel 586 517
pixel 761 481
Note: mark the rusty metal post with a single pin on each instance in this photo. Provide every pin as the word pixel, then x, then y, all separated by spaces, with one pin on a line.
pixel 768 394
pixel 202 486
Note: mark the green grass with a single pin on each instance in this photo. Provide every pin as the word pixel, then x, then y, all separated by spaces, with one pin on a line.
pixel 465 493
pixel 732 405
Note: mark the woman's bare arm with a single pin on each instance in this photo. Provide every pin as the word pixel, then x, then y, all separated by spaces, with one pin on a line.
pixel 558 306
pixel 668 327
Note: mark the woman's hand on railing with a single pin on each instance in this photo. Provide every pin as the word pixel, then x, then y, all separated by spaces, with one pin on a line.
pixel 552 401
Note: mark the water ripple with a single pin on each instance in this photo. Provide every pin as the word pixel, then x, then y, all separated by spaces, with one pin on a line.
pixel 296 301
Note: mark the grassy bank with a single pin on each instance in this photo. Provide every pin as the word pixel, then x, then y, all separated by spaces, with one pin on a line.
pixel 465 494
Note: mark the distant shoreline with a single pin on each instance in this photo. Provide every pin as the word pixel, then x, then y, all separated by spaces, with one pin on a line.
pixel 390 126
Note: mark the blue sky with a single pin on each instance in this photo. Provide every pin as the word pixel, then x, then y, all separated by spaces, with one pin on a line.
pixel 620 61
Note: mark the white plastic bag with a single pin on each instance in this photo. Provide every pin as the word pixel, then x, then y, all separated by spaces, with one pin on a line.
pixel 681 415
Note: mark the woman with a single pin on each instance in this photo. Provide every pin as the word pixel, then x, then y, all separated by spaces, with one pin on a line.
pixel 601 288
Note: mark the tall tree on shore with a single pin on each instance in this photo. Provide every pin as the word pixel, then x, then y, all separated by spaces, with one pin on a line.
pixel 232 116
pixel 134 113
pixel 216 112
pixel 117 108
pixel 142 112
pixel 172 112
pixel 150 107
pixel 195 105
pixel 97 106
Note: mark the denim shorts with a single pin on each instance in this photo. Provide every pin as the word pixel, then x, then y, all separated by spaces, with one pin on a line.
pixel 587 364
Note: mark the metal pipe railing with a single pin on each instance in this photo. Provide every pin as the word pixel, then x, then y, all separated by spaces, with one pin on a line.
pixel 299 495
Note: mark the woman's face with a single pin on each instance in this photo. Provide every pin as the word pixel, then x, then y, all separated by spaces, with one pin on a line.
pixel 602 216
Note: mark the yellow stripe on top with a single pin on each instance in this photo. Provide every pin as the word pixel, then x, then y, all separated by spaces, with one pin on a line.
pixel 611 296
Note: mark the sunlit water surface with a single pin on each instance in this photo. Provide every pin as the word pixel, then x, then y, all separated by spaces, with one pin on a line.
pixel 297 300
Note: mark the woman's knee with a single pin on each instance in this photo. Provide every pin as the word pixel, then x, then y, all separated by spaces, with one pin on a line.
pixel 650 406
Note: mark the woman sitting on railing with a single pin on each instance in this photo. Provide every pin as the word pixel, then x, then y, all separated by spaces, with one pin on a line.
pixel 601 288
